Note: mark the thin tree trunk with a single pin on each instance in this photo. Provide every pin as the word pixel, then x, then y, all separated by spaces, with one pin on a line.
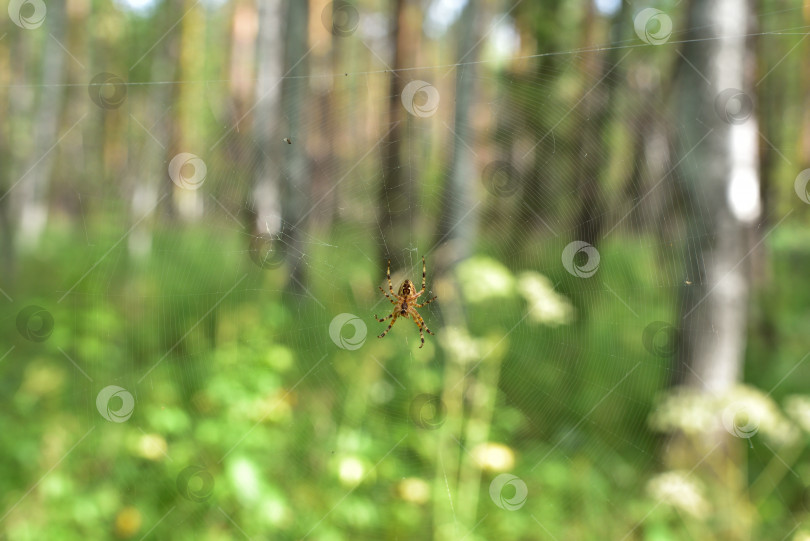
pixel 721 163
pixel 32 192
pixel 720 137
pixel 147 165
pixel 269 70
pixel 396 197
pixel 457 235
pixel 458 226
pixel 189 100
pixel 296 164
pixel 597 101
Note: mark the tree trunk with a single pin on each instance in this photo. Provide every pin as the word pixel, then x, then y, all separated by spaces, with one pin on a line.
pixel 720 170
pixel 458 226
pixel 396 197
pixel 32 191
pixel 720 176
pixel 269 71
pixel 295 166
pixel 596 102
pixel 456 238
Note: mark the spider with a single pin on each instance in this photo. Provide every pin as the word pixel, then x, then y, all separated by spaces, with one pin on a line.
pixel 405 303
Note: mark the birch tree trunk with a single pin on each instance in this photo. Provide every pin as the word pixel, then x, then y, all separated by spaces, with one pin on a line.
pixel 269 70
pixel 720 175
pixel 721 179
pixel 32 192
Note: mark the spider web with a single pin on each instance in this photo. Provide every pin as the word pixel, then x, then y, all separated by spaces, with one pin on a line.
pixel 326 413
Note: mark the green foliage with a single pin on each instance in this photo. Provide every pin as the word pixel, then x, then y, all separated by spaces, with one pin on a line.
pixel 285 424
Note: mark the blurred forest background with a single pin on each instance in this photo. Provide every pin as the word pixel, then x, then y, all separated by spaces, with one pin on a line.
pixel 198 200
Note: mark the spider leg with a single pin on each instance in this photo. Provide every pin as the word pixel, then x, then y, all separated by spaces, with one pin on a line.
pixel 424 303
pixel 387 295
pixel 419 323
pixel 388 274
pixel 396 315
pixel 418 293
pixel 385 318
